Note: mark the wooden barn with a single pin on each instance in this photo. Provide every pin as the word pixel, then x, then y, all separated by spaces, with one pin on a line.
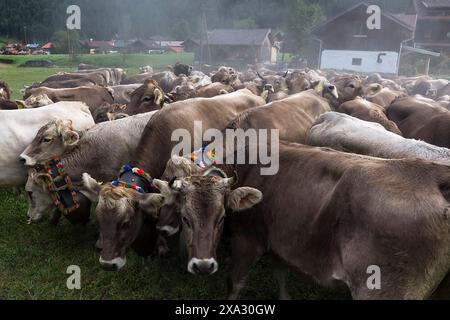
pixel 433 25
pixel 347 43
pixel 239 45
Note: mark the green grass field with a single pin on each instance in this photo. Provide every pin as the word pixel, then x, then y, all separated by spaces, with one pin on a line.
pixel 18 77
pixel 34 258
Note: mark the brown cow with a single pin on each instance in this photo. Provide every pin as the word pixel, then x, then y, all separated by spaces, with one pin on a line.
pixel 72 83
pixel 94 97
pixel 292 116
pixel 146 98
pixel 348 86
pixel 422 119
pixel 334 216
pixel 101 78
pixel 138 78
pixel 368 111
pixel 383 96
pixel 297 82
pixel 275 85
pixel 117 205
pixel 213 89
pixel 5 91
pixel 187 90
pixel 109 112
pixel 5 96
pixel 226 76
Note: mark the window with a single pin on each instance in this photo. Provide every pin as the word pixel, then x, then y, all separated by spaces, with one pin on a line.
pixel 356 61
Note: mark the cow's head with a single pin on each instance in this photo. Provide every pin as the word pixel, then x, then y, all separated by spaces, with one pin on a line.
pixel 109 112
pixel 168 219
pixel 326 90
pixel 226 76
pixel 298 82
pixel 424 88
pixel 146 98
pixel 273 83
pixel 37 101
pixel 201 202
pixel 183 92
pixel 181 68
pixel 348 87
pixel 145 69
pixel 120 213
pixel 40 203
pixel 51 141
pixel 5 92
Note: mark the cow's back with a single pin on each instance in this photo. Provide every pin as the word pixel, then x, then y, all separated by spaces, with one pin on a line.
pixel 211 113
pixel 292 116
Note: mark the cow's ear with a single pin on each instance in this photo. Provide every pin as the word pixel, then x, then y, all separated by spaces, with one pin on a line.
pixel 318 86
pixel 265 95
pixel 42 179
pixel 150 204
pixel 91 187
pixel 244 198
pixel 159 97
pixel 373 89
pixel 70 138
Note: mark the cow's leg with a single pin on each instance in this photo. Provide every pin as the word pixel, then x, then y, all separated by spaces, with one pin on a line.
pixel 183 254
pixel 245 253
pixel 280 272
pixel 54 219
pixel 98 244
pixel 163 248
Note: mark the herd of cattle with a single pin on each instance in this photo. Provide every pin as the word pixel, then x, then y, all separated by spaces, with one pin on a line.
pixel 363 179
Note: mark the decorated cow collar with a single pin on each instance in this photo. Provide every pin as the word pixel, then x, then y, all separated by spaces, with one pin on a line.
pixel 64 195
pixel 134 178
pixel 204 158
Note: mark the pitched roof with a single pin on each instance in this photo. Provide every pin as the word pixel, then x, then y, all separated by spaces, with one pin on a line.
pixel 384 14
pixel 408 19
pixel 48 45
pixel 98 44
pixel 238 37
pixel 434 4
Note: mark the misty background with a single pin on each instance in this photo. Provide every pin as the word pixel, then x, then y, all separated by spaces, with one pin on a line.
pixel 40 20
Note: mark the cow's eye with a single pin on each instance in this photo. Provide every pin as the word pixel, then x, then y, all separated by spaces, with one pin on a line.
pixel 125 224
pixel 352 86
pixel 186 221
pixel 147 99
pixel 48 140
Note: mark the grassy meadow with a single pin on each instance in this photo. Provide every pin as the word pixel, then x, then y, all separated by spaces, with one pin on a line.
pixel 34 258
pixel 17 77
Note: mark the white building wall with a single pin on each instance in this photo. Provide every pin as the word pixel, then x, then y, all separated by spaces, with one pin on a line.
pixel 344 60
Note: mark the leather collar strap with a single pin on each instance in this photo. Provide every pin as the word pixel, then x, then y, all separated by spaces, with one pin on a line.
pixel 64 195
pixel 134 178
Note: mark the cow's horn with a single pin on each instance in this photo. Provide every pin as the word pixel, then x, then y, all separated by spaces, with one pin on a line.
pixel 229 182
pixel 260 75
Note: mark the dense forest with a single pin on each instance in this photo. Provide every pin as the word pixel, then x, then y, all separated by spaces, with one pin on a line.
pixel 38 20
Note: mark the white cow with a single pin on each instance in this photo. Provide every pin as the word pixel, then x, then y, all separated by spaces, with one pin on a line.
pixel 19 127
pixel 346 133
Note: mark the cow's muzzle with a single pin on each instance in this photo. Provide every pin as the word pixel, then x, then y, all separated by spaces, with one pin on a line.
pixel 203 266
pixel 26 160
pixel 112 265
